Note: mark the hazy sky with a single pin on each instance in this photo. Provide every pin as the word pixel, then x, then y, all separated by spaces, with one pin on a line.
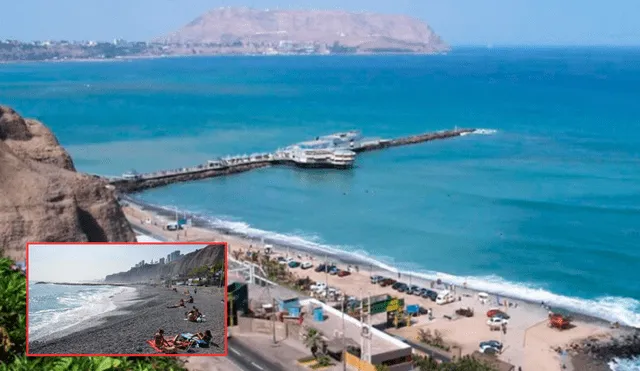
pixel 72 263
pixel 459 22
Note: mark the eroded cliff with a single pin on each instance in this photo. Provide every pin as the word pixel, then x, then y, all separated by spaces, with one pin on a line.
pixel 209 256
pixel 43 198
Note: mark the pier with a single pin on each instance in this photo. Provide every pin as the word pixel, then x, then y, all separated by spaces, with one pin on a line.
pixel 134 182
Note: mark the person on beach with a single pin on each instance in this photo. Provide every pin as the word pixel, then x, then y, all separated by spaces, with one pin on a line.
pixel 195 291
pixel 162 343
pixel 190 300
pixel 180 304
pixel 204 337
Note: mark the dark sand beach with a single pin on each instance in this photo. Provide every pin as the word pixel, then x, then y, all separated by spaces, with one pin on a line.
pixel 127 330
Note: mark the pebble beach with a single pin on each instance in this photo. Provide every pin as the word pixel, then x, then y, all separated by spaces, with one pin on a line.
pixel 127 330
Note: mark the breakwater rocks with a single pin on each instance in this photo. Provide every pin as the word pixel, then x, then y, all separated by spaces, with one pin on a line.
pixel 594 354
pixel 137 185
pixel 415 139
pixel 140 182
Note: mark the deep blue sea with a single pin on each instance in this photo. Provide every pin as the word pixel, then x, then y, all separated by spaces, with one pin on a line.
pixel 545 208
pixel 54 308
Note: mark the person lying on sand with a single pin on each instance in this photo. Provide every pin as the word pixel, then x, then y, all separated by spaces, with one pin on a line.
pixel 204 337
pixel 180 304
pixel 162 343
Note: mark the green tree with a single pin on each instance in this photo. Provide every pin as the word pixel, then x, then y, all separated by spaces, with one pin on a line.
pixel 313 341
pixel 13 306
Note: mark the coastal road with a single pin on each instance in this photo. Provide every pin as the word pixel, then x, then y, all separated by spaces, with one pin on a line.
pixel 248 360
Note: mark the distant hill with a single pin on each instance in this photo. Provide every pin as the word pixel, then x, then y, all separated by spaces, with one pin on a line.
pixel 209 256
pixel 358 32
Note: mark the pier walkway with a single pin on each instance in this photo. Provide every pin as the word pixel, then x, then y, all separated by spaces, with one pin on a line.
pixel 134 182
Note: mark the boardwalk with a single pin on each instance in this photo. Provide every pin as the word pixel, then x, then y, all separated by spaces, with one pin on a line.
pixel 232 165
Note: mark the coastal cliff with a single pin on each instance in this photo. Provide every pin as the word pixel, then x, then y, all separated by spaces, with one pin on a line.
pixel 43 198
pixel 355 32
pixel 210 255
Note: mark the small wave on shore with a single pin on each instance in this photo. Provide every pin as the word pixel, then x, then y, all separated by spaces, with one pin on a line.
pixel 625 364
pixel 623 310
pixel 54 308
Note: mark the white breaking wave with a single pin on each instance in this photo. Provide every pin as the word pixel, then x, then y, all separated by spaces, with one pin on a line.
pixel 77 308
pixel 484 131
pixel 623 310
pixel 632 364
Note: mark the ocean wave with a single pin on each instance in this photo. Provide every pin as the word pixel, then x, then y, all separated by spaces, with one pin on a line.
pixel 480 132
pixel 73 307
pixel 623 310
pixel 632 364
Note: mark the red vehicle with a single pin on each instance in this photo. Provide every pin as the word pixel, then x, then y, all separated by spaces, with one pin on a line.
pixel 559 321
pixel 495 312
pixel 343 273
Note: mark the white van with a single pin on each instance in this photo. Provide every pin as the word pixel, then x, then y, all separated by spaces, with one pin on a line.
pixel 445 297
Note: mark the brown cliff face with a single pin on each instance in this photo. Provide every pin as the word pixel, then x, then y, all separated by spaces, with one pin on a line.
pixel 209 255
pixel 43 198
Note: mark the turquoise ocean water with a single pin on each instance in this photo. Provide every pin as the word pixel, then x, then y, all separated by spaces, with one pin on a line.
pixel 546 208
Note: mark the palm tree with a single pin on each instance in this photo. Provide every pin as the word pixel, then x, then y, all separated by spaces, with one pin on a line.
pixel 313 340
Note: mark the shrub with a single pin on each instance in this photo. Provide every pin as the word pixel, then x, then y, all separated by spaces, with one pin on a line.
pixel 13 307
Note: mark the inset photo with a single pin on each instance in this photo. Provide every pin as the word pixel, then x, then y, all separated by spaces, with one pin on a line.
pixel 130 299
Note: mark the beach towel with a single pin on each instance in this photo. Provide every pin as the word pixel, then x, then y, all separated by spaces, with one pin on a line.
pixel 152 343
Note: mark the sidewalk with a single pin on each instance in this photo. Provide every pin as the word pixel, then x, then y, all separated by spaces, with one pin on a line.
pixel 209 364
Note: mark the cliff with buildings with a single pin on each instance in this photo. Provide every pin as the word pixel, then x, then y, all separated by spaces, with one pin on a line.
pixel 43 198
pixel 210 255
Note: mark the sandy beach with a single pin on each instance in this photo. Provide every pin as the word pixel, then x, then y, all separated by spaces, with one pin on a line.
pixel 126 330
pixel 528 343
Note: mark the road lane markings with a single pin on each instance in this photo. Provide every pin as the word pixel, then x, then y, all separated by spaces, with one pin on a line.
pixel 257 366
pixel 235 351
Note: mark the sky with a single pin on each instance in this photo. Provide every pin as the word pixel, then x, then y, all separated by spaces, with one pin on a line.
pixel 76 263
pixel 459 22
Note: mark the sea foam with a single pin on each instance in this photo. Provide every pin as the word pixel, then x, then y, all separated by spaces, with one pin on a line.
pixel 72 308
pixel 614 309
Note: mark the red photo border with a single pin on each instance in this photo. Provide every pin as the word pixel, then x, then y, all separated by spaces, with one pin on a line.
pixel 226 298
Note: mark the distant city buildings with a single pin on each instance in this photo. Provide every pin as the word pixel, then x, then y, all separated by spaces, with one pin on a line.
pixel 173 256
pixel 161 260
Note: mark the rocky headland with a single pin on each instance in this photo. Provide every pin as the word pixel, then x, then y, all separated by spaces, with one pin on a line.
pixel 42 196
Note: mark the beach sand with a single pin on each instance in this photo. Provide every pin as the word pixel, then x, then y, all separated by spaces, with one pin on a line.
pixel 529 342
pixel 126 331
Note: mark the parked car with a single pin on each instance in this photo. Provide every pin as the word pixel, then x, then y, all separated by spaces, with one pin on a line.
pixel 334 271
pixel 403 287
pixel 430 294
pixel 306 265
pixel 294 264
pixel 491 343
pixel 489 350
pixel 413 290
pixel 494 312
pixel 343 273
pixel 387 282
pixel 397 285
pixel 501 315
pixel 281 260
pixel 318 286
pixel 497 321
pixel 422 310
pixel 320 268
pixel 376 279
